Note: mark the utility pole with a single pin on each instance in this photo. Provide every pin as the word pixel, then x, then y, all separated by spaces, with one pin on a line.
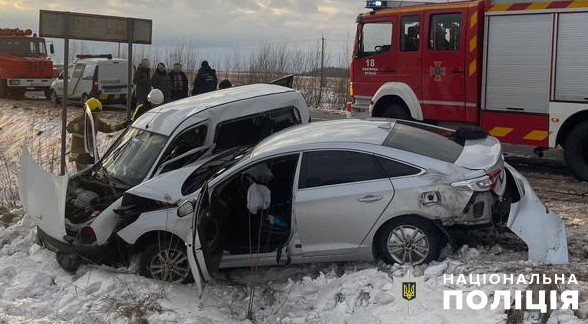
pixel 321 80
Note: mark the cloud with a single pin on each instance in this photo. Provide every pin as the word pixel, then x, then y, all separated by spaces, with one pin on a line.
pixel 211 22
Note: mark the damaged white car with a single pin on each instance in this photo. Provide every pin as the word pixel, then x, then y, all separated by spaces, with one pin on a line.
pixel 361 190
pixel 81 215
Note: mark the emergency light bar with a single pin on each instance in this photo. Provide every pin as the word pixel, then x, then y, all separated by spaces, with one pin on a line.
pixel 15 32
pixel 87 56
pixel 376 4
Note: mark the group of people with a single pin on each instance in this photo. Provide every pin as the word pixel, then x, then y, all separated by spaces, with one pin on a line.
pixel 174 84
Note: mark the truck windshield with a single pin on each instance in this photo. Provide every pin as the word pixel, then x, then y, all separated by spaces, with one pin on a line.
pixel 20 46
pixel 132 155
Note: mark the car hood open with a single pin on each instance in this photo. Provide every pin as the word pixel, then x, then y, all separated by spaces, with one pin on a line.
pixel 43 196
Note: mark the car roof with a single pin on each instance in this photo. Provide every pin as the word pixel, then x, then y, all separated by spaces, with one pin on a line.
pixel 325 132
pixel 164 119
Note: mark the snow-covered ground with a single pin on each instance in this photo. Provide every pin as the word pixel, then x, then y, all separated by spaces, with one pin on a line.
pixel 34 289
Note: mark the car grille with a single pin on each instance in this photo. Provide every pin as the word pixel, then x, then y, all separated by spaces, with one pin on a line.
pixel 35 67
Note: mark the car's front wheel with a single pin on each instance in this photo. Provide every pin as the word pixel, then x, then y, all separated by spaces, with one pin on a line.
pixel 166 260
pixel 409 240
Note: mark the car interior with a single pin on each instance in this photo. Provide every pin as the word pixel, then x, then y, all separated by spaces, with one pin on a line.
pixel 268 229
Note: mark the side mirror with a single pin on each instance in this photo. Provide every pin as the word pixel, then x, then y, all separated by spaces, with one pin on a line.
pixel 186 208
pixel 85 158
pixel 51 49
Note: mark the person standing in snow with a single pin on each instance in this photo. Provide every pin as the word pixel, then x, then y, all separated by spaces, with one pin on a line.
pixel 142 81
pixel 205 80
pixel 154 99
pixel 179 83
pixel 161 80
pixel 76 128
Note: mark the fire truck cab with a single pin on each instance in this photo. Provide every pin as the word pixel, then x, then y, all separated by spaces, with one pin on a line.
pixel 24 63
pixel 518 70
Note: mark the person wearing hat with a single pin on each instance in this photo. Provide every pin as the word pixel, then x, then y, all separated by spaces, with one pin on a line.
pixel 154 99
pixel 76 128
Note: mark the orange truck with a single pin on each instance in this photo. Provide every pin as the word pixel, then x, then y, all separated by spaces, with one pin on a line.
pixel 24 63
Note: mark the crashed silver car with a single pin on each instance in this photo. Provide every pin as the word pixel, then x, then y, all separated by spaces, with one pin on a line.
pixel 361 190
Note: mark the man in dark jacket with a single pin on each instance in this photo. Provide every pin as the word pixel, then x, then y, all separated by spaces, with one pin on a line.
pixel 161 80
pixel 142 81
pixel 205 80
pixel 179 83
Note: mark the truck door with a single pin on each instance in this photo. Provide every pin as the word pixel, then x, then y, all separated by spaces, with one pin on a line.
pixel 444 66
pixel 375 56
pixel 409 68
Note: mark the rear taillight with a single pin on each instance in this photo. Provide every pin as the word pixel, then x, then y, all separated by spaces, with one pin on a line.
pixel 87 235
pixel 485 183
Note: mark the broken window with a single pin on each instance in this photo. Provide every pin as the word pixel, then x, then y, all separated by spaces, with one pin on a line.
pixel 184 149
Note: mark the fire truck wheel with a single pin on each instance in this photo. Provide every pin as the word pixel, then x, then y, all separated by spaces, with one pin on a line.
pixel 47 93
pixel 3 89
pixel 397 111
pixel 576 151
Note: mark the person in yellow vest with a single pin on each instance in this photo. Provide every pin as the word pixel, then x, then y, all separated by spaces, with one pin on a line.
pixel 76 128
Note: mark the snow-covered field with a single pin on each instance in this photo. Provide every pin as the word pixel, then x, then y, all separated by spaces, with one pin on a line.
pixel 34 289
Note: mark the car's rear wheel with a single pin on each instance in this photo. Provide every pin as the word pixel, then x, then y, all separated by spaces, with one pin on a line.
pixel 409 240
pixel 167 261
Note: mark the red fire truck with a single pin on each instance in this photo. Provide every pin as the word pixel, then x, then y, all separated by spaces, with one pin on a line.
pixel 24 64
pixel 518 70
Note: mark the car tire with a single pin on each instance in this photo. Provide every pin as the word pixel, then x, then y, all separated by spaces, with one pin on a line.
pixel 397 111
pixel 576 151
pixel 54 98
pixel 409 240
pixel 68 262
pixel 157 253
pixel 4 92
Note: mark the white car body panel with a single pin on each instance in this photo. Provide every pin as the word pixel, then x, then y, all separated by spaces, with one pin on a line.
pixel 159 220
pixel 542 230
pixel 43 195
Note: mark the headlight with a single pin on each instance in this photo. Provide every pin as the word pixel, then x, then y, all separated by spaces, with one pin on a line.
pixel 13 82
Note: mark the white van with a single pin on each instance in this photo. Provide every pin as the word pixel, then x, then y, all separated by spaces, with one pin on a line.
pixel 98 76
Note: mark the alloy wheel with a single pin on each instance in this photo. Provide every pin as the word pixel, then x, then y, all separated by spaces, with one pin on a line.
pixel 408 245
pixel 171 265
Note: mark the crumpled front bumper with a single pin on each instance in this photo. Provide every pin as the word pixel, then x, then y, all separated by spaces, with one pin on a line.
pixel 542 230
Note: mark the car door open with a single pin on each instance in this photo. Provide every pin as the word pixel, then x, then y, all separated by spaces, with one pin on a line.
pixel 90 134
pixel 204 245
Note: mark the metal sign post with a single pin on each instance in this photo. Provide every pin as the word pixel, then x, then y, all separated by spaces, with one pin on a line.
pixel 131 37
pixel 65 95
pixel 73 25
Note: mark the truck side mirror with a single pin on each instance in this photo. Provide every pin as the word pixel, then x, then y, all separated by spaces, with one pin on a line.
pixel 51 49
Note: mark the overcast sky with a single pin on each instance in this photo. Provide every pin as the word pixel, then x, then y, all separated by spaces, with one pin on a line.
pixel 213 26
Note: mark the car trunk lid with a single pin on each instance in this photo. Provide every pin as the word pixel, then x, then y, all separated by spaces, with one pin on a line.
pixel 485 154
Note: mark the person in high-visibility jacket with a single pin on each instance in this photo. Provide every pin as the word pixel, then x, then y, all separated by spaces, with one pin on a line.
pixel 154 99
pixel 76 128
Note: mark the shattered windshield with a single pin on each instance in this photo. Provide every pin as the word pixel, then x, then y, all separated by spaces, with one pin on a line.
pixel 132 155
pixel 22 46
